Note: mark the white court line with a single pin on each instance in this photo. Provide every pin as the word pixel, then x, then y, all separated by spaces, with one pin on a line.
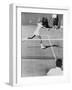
pixel 41 39
pixel 26 38
pixel 52 48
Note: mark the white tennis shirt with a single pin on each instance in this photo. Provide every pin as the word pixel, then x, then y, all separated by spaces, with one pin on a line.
pixel 55 71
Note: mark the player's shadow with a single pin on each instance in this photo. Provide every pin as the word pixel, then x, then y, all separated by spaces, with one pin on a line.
pixel 52 46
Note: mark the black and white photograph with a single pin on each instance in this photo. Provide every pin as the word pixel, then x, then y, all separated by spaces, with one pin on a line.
pixel 38 45
pixel 41 44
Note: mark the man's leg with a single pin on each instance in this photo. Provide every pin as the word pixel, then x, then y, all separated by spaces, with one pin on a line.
pixel 31 37
pixel 41 43
pixel 40 38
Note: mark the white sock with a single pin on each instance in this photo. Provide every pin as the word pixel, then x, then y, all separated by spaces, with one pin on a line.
pixel 42 46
